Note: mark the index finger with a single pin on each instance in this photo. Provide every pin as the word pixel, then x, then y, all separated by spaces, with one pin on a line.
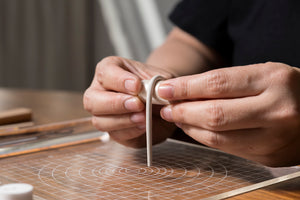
pixel 113 75
pixel 221 83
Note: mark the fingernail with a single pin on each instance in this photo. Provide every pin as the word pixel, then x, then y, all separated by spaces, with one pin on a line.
pixel 130 85
pixel 167 113
pixel 138 117
pixel 131 104
pixel 166 91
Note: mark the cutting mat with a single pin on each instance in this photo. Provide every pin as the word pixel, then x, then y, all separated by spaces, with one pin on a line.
pixel 111 171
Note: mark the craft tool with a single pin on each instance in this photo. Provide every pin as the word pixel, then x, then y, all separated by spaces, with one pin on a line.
pixel 48 136
pixel 15 115
pixel 45 127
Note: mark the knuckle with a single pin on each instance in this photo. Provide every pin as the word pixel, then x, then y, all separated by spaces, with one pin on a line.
pixel 179 114
pixel 97 124
pixel 269 63
pixel 213 140
pixel 104 63
pixel 184 88
pixel 286 111
pixel 284 79
pixel 108 60
pixel 216 82
pixel 290 112
pixel 99 72
pixel 216 118
pixel 282 74
pixel 115 103
pixel 87 102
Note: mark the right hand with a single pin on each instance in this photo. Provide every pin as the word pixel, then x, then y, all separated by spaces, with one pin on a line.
pixel 113 102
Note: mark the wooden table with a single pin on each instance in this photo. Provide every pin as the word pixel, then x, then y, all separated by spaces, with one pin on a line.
pixel 54 106
pixel 47 106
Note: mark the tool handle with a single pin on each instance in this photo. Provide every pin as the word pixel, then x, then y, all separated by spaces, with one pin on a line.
pixel 15 115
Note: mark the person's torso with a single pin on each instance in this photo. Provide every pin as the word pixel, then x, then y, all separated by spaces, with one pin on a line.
pixel 264 30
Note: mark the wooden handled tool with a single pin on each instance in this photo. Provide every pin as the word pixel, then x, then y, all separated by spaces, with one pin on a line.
pixel 15 116
pixel 45 127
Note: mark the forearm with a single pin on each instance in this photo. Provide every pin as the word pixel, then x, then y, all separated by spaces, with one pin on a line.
pixel 182 54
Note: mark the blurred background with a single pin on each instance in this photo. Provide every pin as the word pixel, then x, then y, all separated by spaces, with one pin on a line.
pixel 56 44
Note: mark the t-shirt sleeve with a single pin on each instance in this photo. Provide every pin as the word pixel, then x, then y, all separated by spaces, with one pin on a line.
pixel 207 21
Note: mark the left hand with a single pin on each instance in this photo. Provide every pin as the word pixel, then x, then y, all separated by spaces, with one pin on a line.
pixel 113 102
pixel 249 111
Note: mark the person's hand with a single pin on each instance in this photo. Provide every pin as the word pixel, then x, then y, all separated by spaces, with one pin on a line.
pixel 249 111
pixel 113 102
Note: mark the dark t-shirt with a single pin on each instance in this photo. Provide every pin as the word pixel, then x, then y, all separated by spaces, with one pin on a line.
pixel 244 31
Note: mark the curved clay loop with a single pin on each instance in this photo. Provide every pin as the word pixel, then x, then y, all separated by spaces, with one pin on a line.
pixel 150 91
pixel 155 98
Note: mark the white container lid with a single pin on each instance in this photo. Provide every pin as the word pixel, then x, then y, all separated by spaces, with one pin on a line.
pixel 16 191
